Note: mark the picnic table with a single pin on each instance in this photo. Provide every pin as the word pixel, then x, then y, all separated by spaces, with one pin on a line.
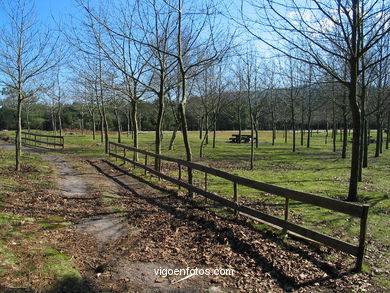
pixel 244 138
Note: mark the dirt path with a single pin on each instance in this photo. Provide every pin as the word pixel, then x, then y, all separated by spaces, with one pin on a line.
pixel 69 180
pixel 126 228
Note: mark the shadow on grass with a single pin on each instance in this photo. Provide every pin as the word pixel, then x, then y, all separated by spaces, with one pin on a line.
pixel 68 284
pixel 238 245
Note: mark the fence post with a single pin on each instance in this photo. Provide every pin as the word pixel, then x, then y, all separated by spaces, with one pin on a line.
pixel 284 230
pixel 116 152
pixel 109 149
pixel 235 195
pixel 124 156
pixel 362 238
pixel 190 181
pixel 205 181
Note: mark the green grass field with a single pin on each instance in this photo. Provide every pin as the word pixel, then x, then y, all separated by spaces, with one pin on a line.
pixel 317 170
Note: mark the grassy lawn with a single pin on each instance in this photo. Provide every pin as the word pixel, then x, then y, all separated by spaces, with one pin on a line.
pixel 317 170
pixel 27 260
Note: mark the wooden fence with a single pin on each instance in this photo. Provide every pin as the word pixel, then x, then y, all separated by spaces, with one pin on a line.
pixel 118 151
pixel 49 141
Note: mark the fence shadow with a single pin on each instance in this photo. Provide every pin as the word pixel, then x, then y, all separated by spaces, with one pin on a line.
pixel 238 245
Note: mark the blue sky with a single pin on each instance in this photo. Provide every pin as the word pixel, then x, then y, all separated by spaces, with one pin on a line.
pixel 57 7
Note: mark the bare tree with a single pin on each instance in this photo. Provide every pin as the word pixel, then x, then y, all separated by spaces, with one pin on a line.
pixel 319 29
pixel 27 52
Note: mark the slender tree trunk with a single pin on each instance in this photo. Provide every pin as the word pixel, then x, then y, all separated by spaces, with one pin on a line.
pixel 207 128
pixel 105 129
pixel 53 122
pixel 82 123
pixel 128 125
pixel 334 132
pixel 285 132
pixel 28 118
pixel 201 150
pixel 381 144
pixel 308 128
pixel 60 122
pixel 273 127
pixel 293 127
pixel 93 126
pixel 101 127
pixel 118 123
pixel 302 125
pixel 239 126
pixel 134 119
pixel 214 130
pixel 18 139
pixel 201 127
pixel 327 132
pixel 378 135
pixel 388 131
pixel 355 111
pixel 159 122
pixel 365 144
pixel 172 141
pixel 345 131
pixel 256 134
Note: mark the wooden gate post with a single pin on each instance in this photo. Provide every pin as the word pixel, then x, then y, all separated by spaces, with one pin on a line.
pixel 235 195
pixel 362 238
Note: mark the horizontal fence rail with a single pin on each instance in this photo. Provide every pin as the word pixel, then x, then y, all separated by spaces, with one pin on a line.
pixel 352 209
pixel 49 141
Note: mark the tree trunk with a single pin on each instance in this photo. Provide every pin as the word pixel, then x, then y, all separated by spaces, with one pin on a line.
pixel 159 122
pixel 381 144
pixel 345 135
pixel 327 132
pixel 101 128
pixel 302 125
pixel 118 124
pixel 214 130
pixel 365 144
pixel 18 139
pixel 28 118
pixel 334 131
pixel 378 135
pixel 356 118
pixel 239 126
pixel 308 128
pixel 273 127
pixel 207 128
pixel 59 116
pixel 134 119
pixel 172 141
pixel 93 126
pixel 388 131
pixel 285 132
pixel 105 128
pixel 82 123
pixel 293 127
pixel 53 122
pixel 201 127
pixel 256 134
pixel 201 150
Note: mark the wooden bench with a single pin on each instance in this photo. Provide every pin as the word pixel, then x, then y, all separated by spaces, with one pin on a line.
pixel 244 138
pixel 370 139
